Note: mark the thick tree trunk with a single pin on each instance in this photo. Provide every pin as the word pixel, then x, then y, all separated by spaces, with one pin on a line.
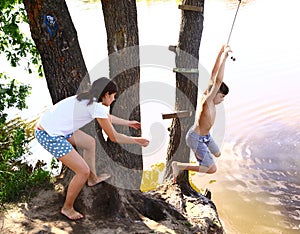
pixel 187 57
pixel 55 36
pixel 120 17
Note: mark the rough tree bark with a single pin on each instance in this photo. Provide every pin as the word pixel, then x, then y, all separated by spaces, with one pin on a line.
pixel 56 39
pixel 123 50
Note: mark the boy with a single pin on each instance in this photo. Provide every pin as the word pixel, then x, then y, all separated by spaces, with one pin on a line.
pixel 198 137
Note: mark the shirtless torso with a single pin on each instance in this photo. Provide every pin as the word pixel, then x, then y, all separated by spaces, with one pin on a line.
pixel 206 118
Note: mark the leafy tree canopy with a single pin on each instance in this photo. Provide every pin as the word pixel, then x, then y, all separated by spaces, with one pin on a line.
pixel 13 42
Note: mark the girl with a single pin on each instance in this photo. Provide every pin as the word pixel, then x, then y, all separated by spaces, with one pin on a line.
pixel 58 131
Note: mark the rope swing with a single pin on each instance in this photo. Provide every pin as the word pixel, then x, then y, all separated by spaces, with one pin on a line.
pixel 233 58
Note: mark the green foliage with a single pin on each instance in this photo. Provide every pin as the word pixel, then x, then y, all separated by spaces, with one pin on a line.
pixel 13 42
pixel 21 181
pixel 17 179
pixel 54 164
pixel 11 95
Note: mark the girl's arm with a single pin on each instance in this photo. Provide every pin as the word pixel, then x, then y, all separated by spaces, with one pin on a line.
pixel 114 136
pixel 118 121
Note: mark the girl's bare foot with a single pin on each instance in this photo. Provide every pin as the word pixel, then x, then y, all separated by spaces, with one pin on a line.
pixel 98 179
pixel 71 214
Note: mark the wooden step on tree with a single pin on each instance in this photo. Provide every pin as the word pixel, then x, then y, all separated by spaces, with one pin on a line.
pixel 186 60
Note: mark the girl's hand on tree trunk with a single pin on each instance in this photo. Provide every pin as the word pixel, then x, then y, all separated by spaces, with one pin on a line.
pixel 134 124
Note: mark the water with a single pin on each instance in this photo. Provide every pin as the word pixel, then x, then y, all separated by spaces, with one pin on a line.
pixel 258 181
pixel 257 184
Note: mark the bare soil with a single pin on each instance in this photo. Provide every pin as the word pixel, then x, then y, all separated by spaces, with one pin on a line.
pixel 42 215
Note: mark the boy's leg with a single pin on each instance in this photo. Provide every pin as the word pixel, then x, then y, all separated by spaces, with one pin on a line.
pixel 206 165
pixel 206 162
pixel 88 144
pixel 213 148
pixel 178 167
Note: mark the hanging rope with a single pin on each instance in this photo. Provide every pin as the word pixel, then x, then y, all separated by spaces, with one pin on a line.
pixel 233 25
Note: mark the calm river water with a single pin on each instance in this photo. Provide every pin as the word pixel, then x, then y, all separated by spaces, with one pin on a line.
pixel 257 188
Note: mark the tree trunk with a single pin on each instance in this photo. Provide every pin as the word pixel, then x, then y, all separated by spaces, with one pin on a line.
pixel 56 39
pixel 187 58
pixel 123 162
pixel 123 49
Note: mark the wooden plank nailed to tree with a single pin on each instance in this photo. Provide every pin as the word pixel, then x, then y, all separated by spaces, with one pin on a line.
pixel 190 8
pixel 172 48
pixel 186 70
pixel 177 114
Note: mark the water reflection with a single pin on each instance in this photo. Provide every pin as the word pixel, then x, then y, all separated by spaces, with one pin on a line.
pixel 265 146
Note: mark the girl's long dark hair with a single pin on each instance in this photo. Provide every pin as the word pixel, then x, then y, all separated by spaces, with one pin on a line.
pixel 98 90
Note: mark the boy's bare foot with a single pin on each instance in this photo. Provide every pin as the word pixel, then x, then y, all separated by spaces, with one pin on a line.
pixel 98 180
pixel 175 170
pixel 71 214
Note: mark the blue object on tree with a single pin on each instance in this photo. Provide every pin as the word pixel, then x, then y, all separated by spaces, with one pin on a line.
pixel 51 25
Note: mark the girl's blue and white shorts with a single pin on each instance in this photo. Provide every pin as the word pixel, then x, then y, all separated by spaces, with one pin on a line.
pixel 58 146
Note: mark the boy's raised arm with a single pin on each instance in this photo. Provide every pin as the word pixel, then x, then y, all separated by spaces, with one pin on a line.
pixel 216 67
pixel 218 70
